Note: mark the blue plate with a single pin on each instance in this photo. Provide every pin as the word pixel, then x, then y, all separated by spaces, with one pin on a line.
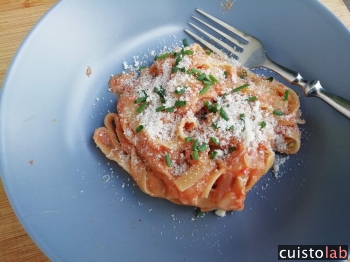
pixel 78 206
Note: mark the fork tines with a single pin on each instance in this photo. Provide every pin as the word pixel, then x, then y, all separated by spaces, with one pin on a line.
pixel 237 32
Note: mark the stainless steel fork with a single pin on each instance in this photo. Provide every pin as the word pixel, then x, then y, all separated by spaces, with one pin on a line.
pixel 254 55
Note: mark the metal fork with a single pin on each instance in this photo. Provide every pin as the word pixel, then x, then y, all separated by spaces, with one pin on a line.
pixel 254 55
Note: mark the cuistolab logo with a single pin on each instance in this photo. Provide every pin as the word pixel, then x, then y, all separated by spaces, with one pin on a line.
pixel 313 252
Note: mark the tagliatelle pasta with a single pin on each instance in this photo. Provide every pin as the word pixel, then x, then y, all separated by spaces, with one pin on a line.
pixel 198 130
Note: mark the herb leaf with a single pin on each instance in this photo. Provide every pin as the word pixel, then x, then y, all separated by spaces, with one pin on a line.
pixel 240 88
pixel 214 140
pixel 243 74
pixel 168 160
pixel 223 114
pixel 181 91
pixel 185 42
pixel 163 56
pixel 180 103
pixel 285 97
pixel 159 109
pixel 140 99
pixel 188 139
pixel 139 129
pixel 142 107
pixel 252 99
pixel 278 113
pixel 195 155
pixel 161 92
pixel 170 109
pixel 232 148
pixel 213 154
pixel 202 147
pixel 205 89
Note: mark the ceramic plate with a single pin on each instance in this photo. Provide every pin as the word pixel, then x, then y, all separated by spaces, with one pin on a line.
pixel 78 206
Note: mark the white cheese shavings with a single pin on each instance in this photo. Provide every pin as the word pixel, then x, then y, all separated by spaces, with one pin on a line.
pixel 220 212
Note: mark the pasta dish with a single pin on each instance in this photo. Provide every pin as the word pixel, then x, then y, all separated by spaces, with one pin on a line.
pixel 197 129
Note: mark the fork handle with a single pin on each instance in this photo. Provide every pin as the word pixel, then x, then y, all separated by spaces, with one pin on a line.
pixel 311 88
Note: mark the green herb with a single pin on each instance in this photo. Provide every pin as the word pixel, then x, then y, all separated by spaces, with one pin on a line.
pixel 188 139
pixel 202 147
pixel 194 145
pixel 270 79
pixel 168 160
pixel 243 74
pixel 182 69
pixel 178 60
pixel 189 52
pixel 185 42
pixel 226 74
pixel 204 90
pixel 230 128
pixel 223 114
pixel 139 128
pixel 182 52
pixel 224 95
pixel 174 69
pixel 285 97
pixel 195 155
pixel 262 124
pixel 142 67
pixel 211 108
pixel 206 82
pixel 155 57
pixel 214 125
pixel 208 52
pixel 252 99
pixel 170 109
pixel 242 116
pixel 198 212
pixel 231 149
pixel 140 99
pixel 208 105
pixel 161 93
pixel 159 109
pixel 201 76
pixel 240 88
pixel 181 91
pixel 214 140
pixel 213 154
pixel 212 78
pixel 142 107
pixel 278 113
pixel 163 56
pixel 180 103
pixel 196 71
pixel 215 108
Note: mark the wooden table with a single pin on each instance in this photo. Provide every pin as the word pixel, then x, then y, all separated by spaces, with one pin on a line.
pixel 17 17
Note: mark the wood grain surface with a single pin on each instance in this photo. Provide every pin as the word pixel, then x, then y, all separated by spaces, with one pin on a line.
pixel 17 17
